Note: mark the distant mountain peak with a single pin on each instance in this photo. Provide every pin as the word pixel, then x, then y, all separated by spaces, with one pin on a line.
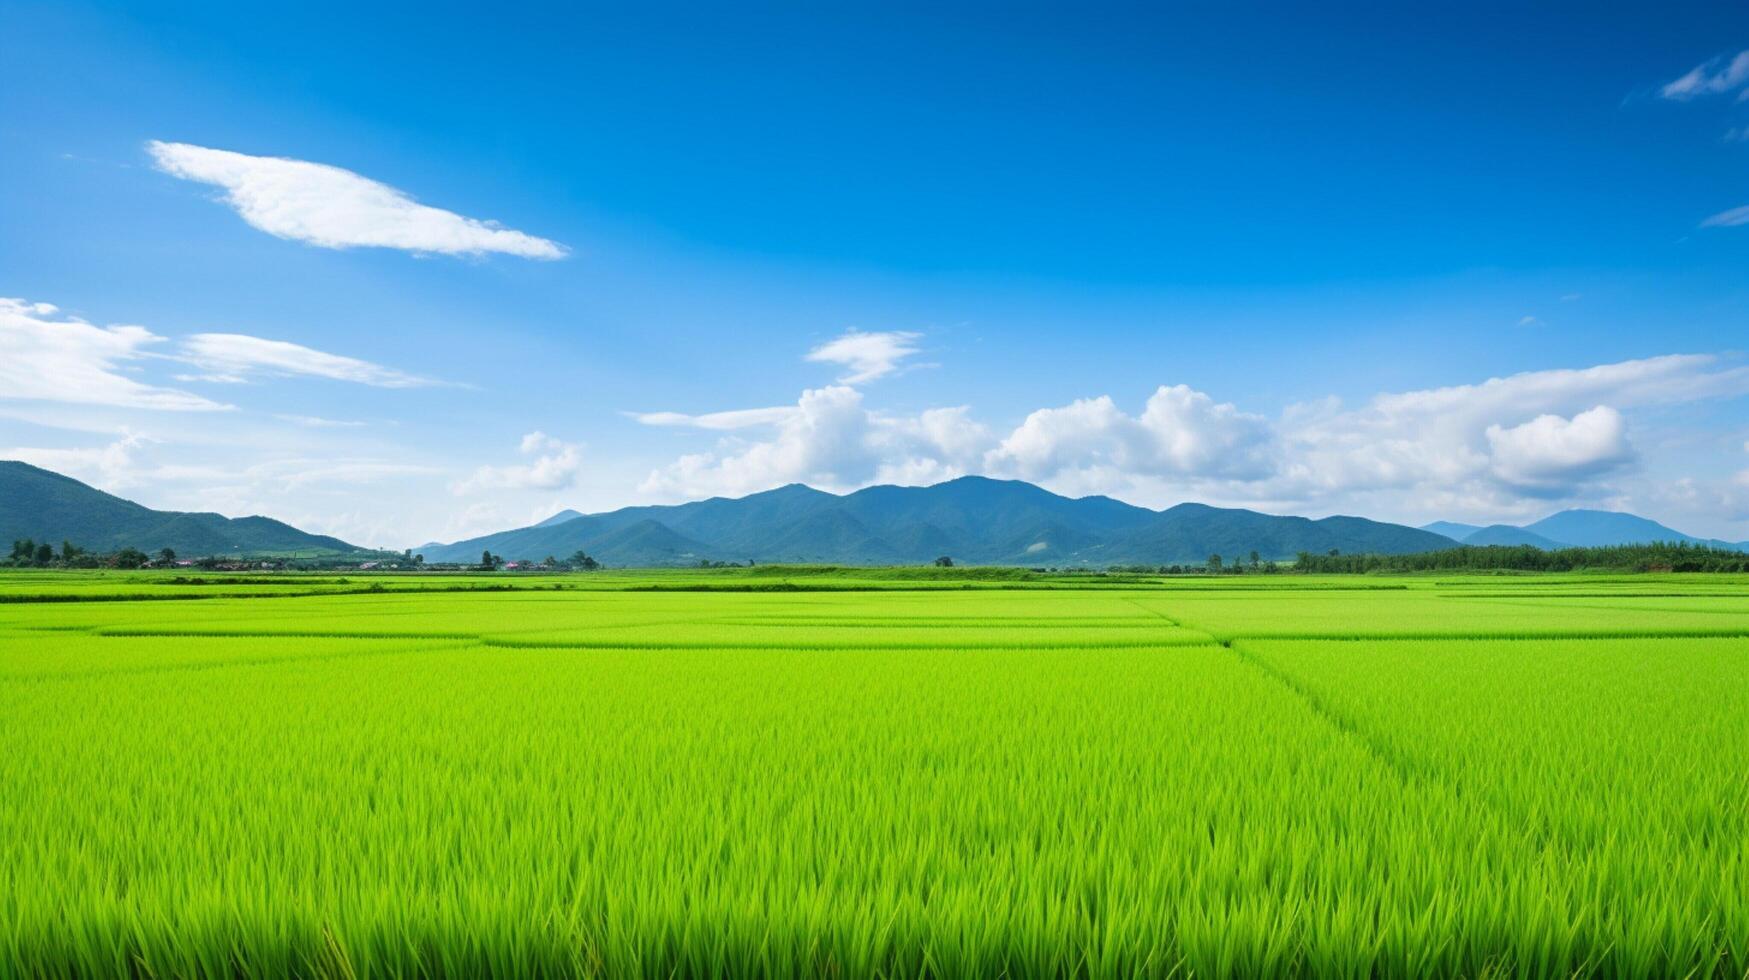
pixel 561 517
pixel 1584 527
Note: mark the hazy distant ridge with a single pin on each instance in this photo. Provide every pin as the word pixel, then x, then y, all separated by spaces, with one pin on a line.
pixel 1578 528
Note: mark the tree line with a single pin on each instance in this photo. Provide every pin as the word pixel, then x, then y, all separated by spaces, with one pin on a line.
pixel 1676 556
pixel 1253 564
pixel 29 553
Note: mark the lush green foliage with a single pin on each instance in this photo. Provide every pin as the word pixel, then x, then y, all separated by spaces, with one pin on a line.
pixel 1666 557
pixel 941 772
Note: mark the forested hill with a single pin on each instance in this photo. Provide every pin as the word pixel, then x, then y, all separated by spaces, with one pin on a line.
pixel 48 507
pixel 972 520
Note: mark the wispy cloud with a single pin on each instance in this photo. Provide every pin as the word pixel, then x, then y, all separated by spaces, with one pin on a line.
pixel 336 208
pixel 1728 219
pixel 49 356
pixel 868 355
pixel 740 418
pixel 317 422
pixel 233 357
pixel 1716 76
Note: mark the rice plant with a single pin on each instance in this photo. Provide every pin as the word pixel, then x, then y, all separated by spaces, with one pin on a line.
pixel 1145 781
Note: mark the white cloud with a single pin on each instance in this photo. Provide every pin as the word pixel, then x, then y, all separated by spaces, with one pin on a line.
pixel 1728 219
pixel 1528 321
pixel 136 459
pixel 49 356
pixel 232 357
pixel 1654 380
pixel 1714 77
pixel 740 418
pixel 1552 453
pixel 555 466
pixel 1181 432
pixel 112 465
pixel 289 474
pixel 336 208
pixel 830 440
pixel 867 355
pixel 1502 446
pixel 317 422
pixel 1437 440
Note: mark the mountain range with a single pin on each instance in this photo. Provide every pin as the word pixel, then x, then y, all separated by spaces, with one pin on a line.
pixel 1578 528
pixel 973 520
pixel 48 507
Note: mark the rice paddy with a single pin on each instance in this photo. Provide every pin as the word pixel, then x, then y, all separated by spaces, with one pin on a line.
pixel 916 776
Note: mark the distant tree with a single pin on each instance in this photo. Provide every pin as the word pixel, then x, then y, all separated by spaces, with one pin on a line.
pixel 24 550
pixel 45 553
pixel 1335 551
pixel 1214 563
pixel 130 558
pixel 944 562
pixel 166 555
pixel 583 562
pixel 418 559
pixel 1255 560
pixel 549 561
pixel 69 550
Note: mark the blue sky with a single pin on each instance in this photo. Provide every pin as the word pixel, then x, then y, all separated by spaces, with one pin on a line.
pixel 1265 256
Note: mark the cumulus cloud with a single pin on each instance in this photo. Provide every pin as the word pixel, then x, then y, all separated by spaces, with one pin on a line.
pixel 1437 440
pixel 1496 444
pixel 49 356
pixel 336 208
pixel 1552 453
pixel 831 440
pixel 1180 432
pixel 868 355
pixel 232 357
pixel 1714 77
pixel 554 466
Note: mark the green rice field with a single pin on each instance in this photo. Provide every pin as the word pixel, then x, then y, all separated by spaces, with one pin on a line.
pixel 781 773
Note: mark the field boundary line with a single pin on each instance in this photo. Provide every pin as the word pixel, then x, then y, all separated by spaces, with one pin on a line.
pixel 73 675
pixel 1405 770
pixel 1698 633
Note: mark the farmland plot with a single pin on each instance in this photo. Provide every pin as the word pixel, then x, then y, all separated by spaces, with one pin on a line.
pixel 1303 779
